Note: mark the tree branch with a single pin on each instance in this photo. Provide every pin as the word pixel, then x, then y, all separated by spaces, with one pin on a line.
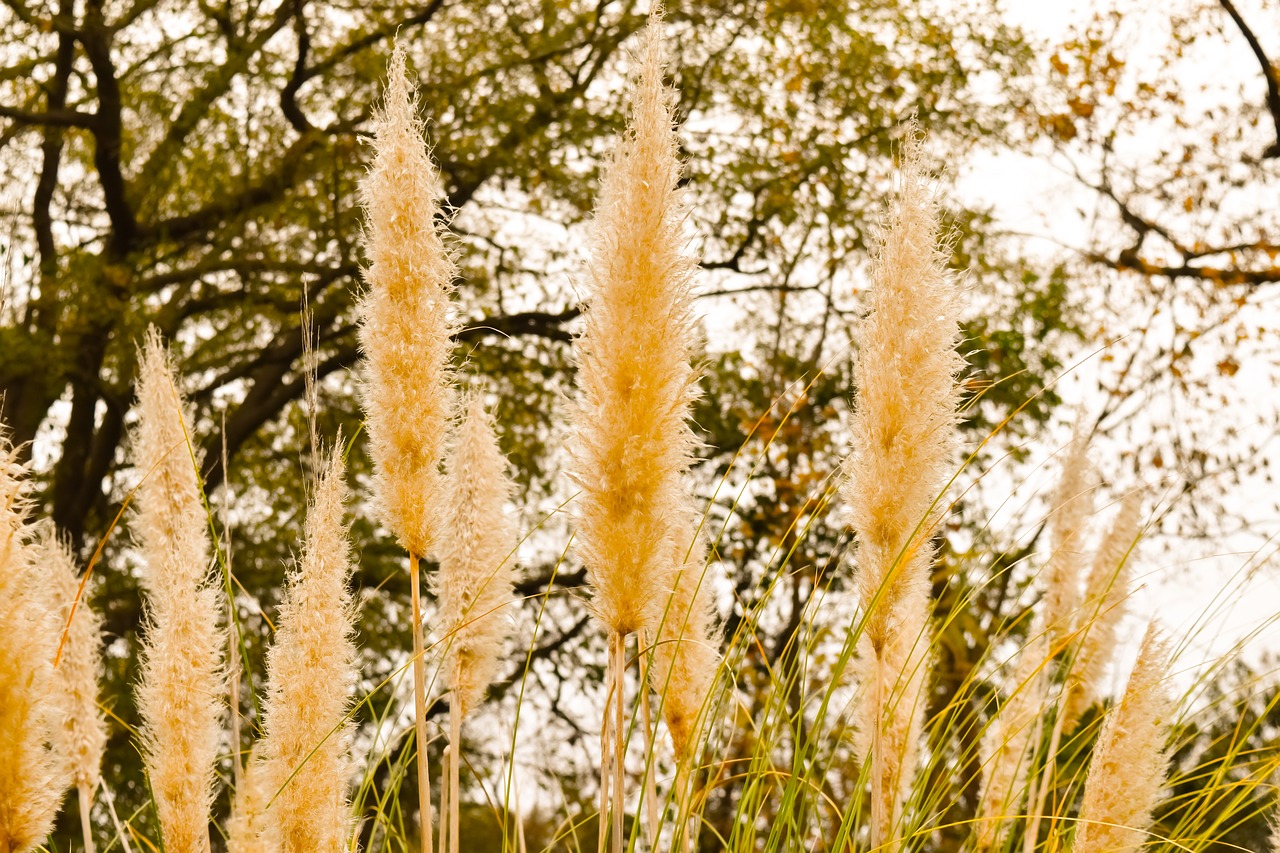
pixel 1269 73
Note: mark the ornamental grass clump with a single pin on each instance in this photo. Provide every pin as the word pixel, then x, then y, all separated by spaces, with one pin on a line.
pixel 33 775
pixel 405 334
pixel 903 450
pixel 474 584
pixel 182 689
pixel 636 384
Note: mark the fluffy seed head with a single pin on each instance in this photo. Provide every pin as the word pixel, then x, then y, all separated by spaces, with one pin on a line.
pixel 32 775
pixel 1007 740
pixel 903 427
pixel 1106 592
pixel 903 423
pixel 1129 763
pixel 83 733
pixel 245 824
pixel 686 651
pixel 477 558
pixel 405 325
pixel 1069 522
pixel 636 382
pixel 889 711
pixel 310 675
pixel 180 694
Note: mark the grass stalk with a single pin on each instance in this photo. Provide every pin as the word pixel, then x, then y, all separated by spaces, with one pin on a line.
pixel 619 670
pixel 86 825
pixel 649 784
pixel 455 792
pixel 420 707
pixel 443 841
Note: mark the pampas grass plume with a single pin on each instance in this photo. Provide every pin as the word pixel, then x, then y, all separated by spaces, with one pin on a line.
pixel 477 558
pixel 310 674
pixel 405 326
pixel 686 651
pixel 84 728
pixel 903 427
pixel 1106 592
pixel 1129 764
pixel 1005 747
pixel 245 824
pixel 180 694
pixel 636 382
pixel 1069 521
pixel 82 734
pixel 32 776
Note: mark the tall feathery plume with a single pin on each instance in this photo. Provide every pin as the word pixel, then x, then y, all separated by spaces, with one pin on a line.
pixel 245 825
pixel 904 439
pixel 1069 524
pixel 685 658
pixel 181 692
pixel 1106 593
pixel 477 569
pixel 405 333
pixel 83 733
pixel 1006 745
pixel 1129 764
pixel 310 675
pixel 1059 612
pixel 33 776
pixel 634 443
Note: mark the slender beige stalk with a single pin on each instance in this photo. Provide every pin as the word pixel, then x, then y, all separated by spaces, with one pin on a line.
pixel 1006 745
pixel 1129 763
pixel 83 733
pixel 477 571
pixel 33 776
pixel 904 443
pixel 310 675
pixel 406 335
pixel 183 686
pixel 634 444
pixel 1106 593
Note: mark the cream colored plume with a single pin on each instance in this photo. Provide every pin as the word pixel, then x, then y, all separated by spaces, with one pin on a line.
pixel 1129 764
pixel 310 675
pixel 686 652
pixel 246 823
pixel 181 691
pixel 636 383
pixel 477 558
pixel 903 449
pixel 33 777
pixel 1006 745
pixel 1106 592
pixel 83 733
pixel 1069 523
pixel 405 324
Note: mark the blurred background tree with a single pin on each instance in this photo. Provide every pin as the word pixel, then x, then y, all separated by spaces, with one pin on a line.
pixel 193 165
